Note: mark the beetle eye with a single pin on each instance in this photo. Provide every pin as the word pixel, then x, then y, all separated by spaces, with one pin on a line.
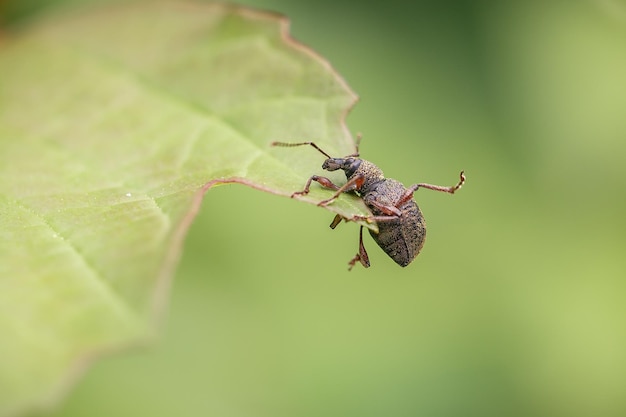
pixel 350 166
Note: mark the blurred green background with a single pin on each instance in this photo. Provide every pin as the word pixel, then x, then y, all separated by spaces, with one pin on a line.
pixel 516 305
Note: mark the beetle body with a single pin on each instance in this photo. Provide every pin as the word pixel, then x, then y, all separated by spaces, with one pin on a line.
pixel 401 237
pixel 401 226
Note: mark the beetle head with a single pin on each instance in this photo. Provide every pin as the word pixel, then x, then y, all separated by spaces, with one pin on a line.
pixel 349 165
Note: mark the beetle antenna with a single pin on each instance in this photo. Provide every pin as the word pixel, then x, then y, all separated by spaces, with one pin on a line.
pixel 359 136
pixel 290 145
pixel 357 144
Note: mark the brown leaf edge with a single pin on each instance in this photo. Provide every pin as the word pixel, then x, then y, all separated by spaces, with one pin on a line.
pixel 174 252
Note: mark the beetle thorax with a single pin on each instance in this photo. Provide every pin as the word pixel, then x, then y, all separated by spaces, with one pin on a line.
pixel 371 173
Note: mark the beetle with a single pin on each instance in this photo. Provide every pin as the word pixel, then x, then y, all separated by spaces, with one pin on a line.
pixel 401 225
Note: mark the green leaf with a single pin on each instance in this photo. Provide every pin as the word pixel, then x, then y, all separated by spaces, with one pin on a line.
pixel 113 124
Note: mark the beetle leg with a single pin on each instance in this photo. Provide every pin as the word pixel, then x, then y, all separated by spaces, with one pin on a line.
pixel 388 210
pixel 371 219
pixel 362 255
pixel 323 181
pixel 409 192
pixel 336 221
pixel 354 184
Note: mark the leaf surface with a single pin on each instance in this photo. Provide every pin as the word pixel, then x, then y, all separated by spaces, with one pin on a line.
pixel 113 124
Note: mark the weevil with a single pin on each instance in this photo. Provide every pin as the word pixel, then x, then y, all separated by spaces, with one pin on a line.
pixel 401 225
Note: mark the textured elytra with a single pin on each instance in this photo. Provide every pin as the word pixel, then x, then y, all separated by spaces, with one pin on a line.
pixel 401 238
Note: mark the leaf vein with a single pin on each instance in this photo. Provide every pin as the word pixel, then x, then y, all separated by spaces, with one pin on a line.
pixel 114 299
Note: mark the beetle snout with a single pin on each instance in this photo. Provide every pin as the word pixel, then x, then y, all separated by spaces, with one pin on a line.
pixel 332 164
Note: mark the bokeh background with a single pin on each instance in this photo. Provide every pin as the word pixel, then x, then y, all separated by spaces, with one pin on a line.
pixel 516 305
